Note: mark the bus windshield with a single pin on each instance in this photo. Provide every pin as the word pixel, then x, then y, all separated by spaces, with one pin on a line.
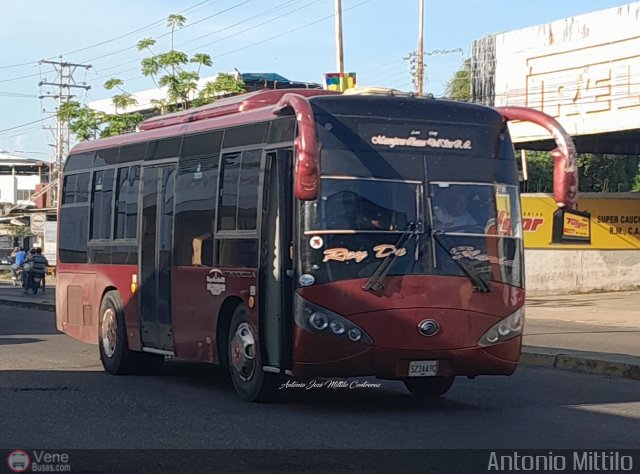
pixel 372 205
pixel 475 208
pixel 454 228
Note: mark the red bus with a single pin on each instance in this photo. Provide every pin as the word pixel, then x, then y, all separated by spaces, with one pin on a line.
pixel 303 233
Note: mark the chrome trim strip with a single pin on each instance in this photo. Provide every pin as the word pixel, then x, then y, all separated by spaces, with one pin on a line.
pixel 158 351
pixel 273 370
pixel 344 231
pixel 354 178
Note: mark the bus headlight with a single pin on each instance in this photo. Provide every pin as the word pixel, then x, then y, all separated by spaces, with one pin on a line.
pixel 505 329
pixel 317 319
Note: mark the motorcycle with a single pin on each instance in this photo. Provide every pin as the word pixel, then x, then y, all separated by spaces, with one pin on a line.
pixel 34 283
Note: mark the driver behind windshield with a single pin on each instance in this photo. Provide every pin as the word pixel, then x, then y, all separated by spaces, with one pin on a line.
pixel 450 210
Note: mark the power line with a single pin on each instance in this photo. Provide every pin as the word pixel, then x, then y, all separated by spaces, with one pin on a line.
pixel 23 125
pixel 35 63
pixel 17 94
pixel 31 63
pixel 278 7
pixel 20 133
pixel 92 60
pixel 218 31
pixel 290 31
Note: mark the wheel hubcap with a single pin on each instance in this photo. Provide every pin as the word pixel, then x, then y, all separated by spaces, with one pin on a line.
pixel 243 352
pixel 109 332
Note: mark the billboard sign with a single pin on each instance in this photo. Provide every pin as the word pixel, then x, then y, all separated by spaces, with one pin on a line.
pixel 584 71
pixel 600 223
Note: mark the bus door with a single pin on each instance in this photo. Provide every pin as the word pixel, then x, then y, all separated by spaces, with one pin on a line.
pixel 275 276
pixel 155 256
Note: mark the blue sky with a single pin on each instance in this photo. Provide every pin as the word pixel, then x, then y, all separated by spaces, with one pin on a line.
pixel 294 38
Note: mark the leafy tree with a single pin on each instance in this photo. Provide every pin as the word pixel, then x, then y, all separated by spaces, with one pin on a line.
pixel 459 86
pixel 225 84
pixel 539 173
pixel 608 173
pixel 596 173
pixel 167 69
pixel 636 183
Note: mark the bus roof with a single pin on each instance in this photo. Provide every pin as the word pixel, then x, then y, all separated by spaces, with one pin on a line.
pixel 259 106
pixel 231 105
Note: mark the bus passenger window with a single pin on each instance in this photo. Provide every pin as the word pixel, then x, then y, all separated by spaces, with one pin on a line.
pixel 126 220
pixel 196 190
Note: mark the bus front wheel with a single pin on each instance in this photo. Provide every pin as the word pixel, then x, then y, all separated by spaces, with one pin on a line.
pixel 245 363
pixel 115 355
pixel 430 387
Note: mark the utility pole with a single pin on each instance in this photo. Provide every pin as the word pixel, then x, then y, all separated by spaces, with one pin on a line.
pixel 65 83
pixel 339 56
pixel 420 47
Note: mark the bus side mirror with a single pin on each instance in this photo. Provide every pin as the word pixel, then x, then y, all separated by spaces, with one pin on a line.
pixel 565 168
pixel 306 174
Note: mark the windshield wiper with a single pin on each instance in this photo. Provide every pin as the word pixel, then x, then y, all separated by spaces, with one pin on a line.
pixel 376 281
pixel 476 278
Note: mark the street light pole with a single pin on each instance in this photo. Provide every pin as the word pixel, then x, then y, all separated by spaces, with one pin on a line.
pixel 339 54
pixel 420 47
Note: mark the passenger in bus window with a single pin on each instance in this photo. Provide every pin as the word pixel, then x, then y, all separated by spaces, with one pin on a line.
pixel 450 210
pixel 202 247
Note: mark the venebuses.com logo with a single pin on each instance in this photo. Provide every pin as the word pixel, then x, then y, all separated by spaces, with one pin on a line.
pixel 18 461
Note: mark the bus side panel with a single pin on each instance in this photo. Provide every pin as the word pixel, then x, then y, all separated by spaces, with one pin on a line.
pixel 196 304
pixel 193 314
pixel 77 286
pixel 74 313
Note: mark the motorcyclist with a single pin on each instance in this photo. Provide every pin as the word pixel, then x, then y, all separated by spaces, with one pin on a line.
pixel 27 266
pixel 19 258
pixel 40 264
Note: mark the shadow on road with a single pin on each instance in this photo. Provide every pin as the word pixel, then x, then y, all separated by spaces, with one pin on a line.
pixel 6 341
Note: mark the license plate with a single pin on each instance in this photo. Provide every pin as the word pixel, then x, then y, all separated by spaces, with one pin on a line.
pixel 423 368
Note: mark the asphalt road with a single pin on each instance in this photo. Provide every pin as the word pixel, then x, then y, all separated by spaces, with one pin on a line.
pixel 54 394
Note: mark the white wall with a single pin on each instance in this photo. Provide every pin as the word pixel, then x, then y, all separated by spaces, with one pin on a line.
pixel 10 184
pixel 583 70
pixel 554 272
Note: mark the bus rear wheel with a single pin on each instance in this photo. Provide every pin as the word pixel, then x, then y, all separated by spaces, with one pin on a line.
pixel 115 355
pixel 245 363
pixel 431 387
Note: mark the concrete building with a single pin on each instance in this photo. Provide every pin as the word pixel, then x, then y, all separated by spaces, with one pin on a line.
pixel 20 177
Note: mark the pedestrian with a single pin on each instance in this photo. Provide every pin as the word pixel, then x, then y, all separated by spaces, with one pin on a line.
pixel 19 258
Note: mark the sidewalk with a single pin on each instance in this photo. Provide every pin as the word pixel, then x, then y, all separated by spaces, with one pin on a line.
pixel 596 333
pixel 10 296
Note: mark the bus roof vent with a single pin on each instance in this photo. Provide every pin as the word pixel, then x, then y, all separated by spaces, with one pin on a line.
pixel 231 105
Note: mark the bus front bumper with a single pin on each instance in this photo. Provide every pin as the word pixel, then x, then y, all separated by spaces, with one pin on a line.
pixel 316 356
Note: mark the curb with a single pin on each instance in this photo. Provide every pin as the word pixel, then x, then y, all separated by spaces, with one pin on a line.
pixel 29 305
pixel 594 363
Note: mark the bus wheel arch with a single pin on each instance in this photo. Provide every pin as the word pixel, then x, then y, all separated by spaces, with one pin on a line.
pixel 222 328
pixel 244 360
pixel 113 346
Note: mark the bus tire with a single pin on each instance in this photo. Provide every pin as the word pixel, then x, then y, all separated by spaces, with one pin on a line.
pixel 429 387
pixel 244 360
pixel 115 355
